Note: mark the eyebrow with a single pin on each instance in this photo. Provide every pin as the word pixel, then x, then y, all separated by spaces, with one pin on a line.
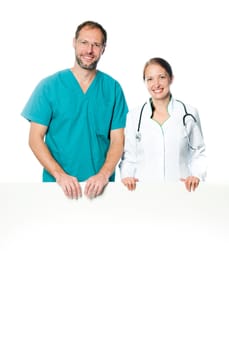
pixel 156 75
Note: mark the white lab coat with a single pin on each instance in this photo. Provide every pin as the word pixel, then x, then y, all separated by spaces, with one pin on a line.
pixel 163 153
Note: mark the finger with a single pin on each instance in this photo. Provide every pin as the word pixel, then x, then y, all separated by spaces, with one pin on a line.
pixel 188 186
pixel 133 186
pixel 76 191
pixel 87 188
pixel 67 190
pixel 72 190
pixel 130 187
pixel 90 191
pixel 195 185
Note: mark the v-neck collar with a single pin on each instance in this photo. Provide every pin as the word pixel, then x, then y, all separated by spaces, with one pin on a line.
pixel 76 83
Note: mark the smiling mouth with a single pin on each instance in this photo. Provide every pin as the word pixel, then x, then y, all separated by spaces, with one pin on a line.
pixel 88 58
pixel 157 91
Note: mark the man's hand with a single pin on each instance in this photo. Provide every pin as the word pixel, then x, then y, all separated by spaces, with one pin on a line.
pixel 70 185
pixel 95 185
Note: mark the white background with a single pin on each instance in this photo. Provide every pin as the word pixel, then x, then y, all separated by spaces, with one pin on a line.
pixel 142 270
pixel 36 40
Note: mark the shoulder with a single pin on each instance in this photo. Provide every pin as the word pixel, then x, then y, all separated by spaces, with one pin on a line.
pixel 137 109
pixel 107 79
pixel 137 112
pixel 53 82
pixel 144 107
pixel 54 77
pixel 177 104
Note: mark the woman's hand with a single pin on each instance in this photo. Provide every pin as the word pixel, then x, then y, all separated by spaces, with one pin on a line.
pixel 191 183
pixel 130 182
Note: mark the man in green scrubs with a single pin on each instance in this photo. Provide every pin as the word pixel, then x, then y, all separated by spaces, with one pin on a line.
pixel 77 118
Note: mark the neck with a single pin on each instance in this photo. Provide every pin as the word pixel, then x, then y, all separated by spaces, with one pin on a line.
pixel 162 104
pixel 83 76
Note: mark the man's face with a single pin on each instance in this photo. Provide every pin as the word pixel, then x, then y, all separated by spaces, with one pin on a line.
pixel 88 47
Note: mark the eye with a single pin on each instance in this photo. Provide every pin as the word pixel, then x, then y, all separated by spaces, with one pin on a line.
pixel 98 45
pixel 83 42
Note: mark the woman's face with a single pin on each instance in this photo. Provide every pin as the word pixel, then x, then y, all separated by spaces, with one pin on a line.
pixel 157 81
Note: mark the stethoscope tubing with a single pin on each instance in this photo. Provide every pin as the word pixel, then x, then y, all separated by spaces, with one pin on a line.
pixel 138 134
pixel 186 113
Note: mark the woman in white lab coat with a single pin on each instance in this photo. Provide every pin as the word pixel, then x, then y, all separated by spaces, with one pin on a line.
pixel 163 138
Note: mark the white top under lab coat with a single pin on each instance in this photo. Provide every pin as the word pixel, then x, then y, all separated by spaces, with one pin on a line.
pixel 163 152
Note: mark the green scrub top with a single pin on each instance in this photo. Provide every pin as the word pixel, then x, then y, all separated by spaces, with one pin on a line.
pixel 79 124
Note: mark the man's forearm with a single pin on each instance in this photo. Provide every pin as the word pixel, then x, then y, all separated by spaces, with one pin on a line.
pixel 45 157
pixel 113 156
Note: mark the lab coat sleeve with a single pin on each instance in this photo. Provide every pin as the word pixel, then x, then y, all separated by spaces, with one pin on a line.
pixel 129 158
pixel 198 159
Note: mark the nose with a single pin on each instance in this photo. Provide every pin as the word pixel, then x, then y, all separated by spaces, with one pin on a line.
pixel 156 82
pixel 90 47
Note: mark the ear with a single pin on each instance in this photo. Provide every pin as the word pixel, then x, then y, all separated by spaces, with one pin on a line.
pixel 172 79
pixel 104 47
pixel 74 43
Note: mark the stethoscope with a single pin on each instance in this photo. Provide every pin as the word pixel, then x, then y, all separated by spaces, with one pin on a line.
pixel 187 114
